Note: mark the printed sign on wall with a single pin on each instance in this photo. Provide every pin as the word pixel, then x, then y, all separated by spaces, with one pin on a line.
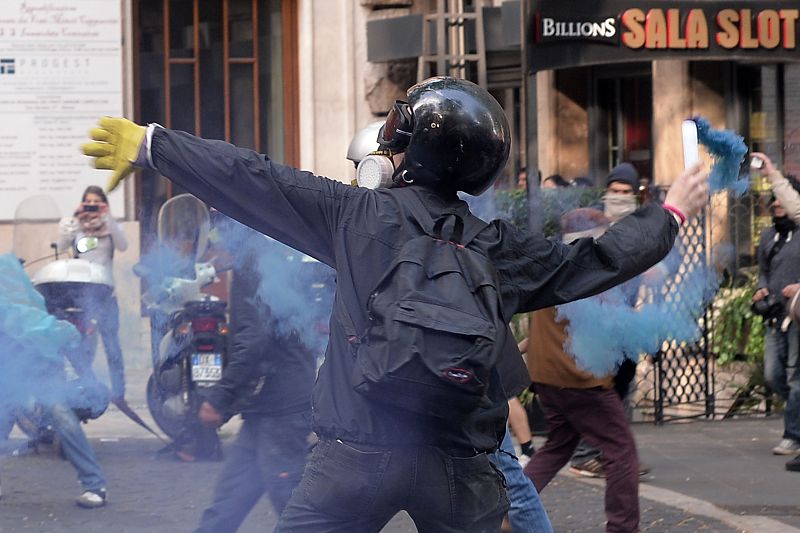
pixel 60 69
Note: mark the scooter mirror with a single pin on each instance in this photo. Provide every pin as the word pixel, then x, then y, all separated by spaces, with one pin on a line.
pixel 86 243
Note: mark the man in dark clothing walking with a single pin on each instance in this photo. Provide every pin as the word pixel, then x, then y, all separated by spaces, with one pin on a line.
pixel 373 461
pixel 268 379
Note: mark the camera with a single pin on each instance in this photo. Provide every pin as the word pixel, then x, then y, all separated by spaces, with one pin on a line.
pixel 769 308
pixel 91 208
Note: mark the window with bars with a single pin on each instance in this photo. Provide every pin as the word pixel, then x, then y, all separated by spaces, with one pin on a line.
pixel 220 69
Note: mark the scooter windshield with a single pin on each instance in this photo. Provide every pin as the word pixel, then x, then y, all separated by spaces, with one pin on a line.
pixel 36 232
pixel 183 226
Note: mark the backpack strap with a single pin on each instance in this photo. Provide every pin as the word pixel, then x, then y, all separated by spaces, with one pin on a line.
pixel 465 229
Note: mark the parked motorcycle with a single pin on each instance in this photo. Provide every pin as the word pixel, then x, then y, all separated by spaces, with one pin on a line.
pixel 189 328
pixel 69 286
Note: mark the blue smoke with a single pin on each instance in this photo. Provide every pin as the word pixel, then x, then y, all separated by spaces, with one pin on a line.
pixel 297 290
pixel 728 150
pixel 665 304
pixel 35 343
pixel 483 205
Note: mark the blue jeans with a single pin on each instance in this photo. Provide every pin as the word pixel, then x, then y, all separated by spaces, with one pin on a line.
pixel 782 372
pixel 268 456
pixel 350 487
pixel 527 513
pixel 106 312
pixel 76 446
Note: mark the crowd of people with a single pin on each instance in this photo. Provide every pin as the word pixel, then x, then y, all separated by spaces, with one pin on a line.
pixel 371 457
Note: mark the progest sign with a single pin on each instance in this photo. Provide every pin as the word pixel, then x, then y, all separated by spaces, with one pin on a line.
pixel 616 31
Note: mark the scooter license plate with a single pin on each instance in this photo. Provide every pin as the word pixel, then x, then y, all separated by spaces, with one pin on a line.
pixel 206 367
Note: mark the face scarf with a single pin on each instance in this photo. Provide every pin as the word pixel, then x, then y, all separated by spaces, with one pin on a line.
pixel 94 225
pixel 783 225
pixel 616 206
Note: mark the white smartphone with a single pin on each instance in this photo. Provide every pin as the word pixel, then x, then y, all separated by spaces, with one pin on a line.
pixel 756 162
pixel 691 154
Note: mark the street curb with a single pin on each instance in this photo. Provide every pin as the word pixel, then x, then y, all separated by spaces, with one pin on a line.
pixel 696 506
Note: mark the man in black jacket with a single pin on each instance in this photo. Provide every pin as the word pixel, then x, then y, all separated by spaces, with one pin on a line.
pixel 778 282
pixel 268 379
pixel 372 462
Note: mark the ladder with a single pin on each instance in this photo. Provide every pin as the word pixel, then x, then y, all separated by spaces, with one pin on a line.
pixel 451 57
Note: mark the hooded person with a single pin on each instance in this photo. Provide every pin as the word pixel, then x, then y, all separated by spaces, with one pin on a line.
pixel 374 460
pixel 620 198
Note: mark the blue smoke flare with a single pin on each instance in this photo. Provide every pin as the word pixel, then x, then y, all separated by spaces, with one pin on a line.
pixel 728 150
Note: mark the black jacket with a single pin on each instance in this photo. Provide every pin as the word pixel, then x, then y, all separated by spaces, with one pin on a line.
pixel 269 371
pixel 778 269
pixel 358 231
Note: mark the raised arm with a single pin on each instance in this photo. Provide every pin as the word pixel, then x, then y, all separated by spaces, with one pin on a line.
pixel 536 272
pixel 292 206
pixel 784 192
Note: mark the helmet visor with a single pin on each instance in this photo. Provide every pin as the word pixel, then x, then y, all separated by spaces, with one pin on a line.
pixel 395 133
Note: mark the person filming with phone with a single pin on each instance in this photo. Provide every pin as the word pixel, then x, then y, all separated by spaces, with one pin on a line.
pixel 93 235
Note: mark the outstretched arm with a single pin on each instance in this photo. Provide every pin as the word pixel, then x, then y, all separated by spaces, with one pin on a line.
pixel 536 272
pixel 295 207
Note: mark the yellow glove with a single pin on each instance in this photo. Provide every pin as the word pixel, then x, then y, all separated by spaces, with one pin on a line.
pixel 117 145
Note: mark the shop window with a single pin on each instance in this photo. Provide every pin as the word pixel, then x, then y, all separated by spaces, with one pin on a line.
pixel 621 119
pixel 757 113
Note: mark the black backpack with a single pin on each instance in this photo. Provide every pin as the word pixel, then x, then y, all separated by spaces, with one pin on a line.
pixel 431 343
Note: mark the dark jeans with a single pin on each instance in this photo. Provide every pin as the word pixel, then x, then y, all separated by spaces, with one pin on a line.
pixel 358 489
pixel 268 456
pixel 598 416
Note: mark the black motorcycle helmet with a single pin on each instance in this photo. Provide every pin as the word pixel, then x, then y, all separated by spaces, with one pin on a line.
pixel 460 138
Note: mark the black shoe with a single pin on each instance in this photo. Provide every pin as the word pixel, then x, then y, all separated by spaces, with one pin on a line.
pixel 794 464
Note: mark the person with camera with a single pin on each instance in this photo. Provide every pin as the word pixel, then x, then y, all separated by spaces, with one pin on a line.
pixel 779 273
pixel 783 187
pixel 92 218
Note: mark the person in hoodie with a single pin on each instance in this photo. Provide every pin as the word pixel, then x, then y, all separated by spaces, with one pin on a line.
pixel 373 461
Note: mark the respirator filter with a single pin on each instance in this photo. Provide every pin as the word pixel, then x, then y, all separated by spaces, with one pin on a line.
pixel 375 171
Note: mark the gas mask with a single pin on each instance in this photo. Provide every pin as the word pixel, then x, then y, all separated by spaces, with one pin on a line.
pixel 378 170
pixel 616 206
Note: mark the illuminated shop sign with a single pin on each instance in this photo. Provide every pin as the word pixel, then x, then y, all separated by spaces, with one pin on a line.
pixel 647 30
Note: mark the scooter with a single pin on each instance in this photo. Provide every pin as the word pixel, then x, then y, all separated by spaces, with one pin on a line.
pixel 189 328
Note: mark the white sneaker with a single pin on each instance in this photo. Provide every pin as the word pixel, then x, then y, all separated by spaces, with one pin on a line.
pixel 787 447
pixel 92 499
